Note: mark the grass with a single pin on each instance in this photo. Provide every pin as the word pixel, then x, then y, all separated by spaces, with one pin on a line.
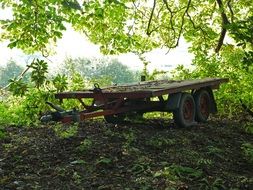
pixel 153 154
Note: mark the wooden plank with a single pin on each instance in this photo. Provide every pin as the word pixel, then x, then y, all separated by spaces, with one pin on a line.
pixel 141 86
pixel 189 85
pixel 145 89
pixel 162 85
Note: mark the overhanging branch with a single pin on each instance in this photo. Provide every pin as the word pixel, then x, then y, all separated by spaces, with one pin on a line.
pixel 231 10
pixel 182 24
pixel 223 27
pixel 150 19
pixel 171 17
pixel 205 34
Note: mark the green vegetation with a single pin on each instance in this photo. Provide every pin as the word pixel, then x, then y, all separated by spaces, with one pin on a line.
pixel 10 71
pixel 85 145
pixel 2 134
pixel 133 156
pixel 120 26
pixel 248 151
pixel 98 155
pixel 23 101
pixel 65 131
pixel 103 70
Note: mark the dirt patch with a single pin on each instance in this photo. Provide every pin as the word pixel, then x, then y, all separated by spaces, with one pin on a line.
pixel 153 154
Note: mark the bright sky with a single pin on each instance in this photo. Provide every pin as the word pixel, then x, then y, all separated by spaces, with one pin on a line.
pixel 74 44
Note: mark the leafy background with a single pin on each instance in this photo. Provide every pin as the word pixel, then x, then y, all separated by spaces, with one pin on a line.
pixel 220 36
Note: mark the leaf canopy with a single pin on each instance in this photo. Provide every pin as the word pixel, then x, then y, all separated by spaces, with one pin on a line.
pixel 120 26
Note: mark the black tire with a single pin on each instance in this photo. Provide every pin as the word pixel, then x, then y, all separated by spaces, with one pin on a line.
pixel 184 115
pixel 203 104
pixel 115 119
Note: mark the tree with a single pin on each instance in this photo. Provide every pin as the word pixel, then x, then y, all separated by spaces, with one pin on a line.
pixel 124 26
pixel 107 69
pixel 139 26
pixel 118 72
pixel 10 71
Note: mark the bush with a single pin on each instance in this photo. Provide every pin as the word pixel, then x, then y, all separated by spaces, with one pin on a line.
pixel 230 64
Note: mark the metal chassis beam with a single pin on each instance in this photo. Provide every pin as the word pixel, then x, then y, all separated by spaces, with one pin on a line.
pixel 116 102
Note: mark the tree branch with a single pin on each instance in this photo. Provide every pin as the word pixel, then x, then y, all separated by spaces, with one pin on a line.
pixel 182 25
pixel 20 76
pixel 137 8
pixel 150 19
pixel 197 27
pixel 231 10
pixel 223 27
pixel 171 17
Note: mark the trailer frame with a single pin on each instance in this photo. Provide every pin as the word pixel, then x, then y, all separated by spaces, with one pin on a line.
pixel 117 101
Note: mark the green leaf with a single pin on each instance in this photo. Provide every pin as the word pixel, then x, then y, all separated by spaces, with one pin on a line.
pixel 78 162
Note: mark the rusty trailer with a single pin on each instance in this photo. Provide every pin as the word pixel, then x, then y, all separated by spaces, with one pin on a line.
pixel 190 101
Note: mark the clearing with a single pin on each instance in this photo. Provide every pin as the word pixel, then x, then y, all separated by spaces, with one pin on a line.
pixel 152 154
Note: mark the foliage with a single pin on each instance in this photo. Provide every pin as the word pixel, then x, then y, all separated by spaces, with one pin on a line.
pixel 18 87
pixel 104 162
pixel 212 184
pixel 174 173
pixel 60 82
pixel 65 131
pixel 219 33
pixel 126 26
pixel 33 105
pixel 159 143
pixel 39 71
pixel 247 149
pixel 9 113
pixel 248 127
pixel 3 134
pixel 234 62
pixel 130 138
pixel 85 145
pixel 30 94
pixel 25 110
pixel 34 24
pixel 241 31
pixel 230 64
pixel 97 152
pixel 9 72
pixel 38 77
pixel 103 71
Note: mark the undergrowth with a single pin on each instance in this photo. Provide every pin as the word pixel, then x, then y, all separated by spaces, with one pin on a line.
pixel 28 100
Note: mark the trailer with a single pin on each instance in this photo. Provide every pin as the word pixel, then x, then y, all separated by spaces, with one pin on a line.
pixel 190 101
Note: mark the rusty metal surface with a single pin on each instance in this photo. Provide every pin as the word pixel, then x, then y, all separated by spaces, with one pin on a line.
pixel 126 98
pixel 146 89
pixel 152 106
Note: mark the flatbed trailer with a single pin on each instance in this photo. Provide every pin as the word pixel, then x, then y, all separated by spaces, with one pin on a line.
pixel 190 101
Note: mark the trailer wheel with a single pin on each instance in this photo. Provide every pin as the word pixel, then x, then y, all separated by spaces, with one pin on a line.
pixel 203 104
pixel 184 115
pixel 115 119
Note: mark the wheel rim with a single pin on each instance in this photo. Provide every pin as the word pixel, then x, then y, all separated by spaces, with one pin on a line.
pixel 204 105
pixel 188 110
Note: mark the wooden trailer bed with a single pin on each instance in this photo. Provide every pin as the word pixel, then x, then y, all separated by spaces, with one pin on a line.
pixel 188 100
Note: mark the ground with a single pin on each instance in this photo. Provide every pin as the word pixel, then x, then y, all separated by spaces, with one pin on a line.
pixel 152 154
